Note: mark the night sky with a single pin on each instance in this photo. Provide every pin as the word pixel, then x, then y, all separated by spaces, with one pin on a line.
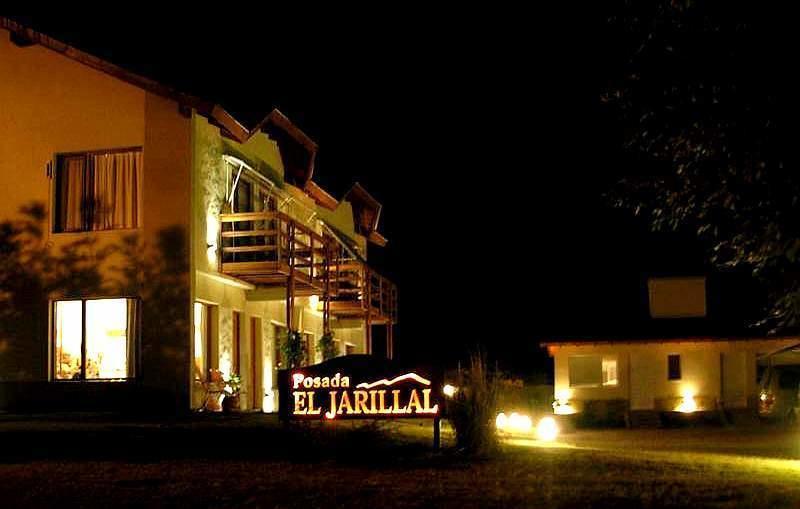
pixel 485 139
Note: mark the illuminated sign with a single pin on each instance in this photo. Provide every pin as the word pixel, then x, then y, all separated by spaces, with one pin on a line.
pixel 359 387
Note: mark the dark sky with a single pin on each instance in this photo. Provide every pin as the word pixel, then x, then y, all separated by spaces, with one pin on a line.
pixel 485 138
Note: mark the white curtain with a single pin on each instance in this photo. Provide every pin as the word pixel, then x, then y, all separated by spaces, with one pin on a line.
pixel 116 187
pixel 72 204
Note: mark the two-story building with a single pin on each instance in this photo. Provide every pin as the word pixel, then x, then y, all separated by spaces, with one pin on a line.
pixel 147 238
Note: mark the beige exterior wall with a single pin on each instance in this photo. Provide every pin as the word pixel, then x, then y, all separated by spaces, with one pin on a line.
pixel 710 370
pixel 268 305
pixel 50 105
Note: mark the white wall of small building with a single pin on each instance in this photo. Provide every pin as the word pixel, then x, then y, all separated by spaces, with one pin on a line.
pixel 711 370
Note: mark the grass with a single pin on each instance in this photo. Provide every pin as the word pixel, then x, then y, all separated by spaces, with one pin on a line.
pixel 253 466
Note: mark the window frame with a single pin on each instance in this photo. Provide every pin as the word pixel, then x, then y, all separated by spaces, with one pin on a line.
pixel 53 178
pixel 603 358
pixel 137 339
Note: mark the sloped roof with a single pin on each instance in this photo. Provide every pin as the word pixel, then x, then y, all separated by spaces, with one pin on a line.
pixel 25 36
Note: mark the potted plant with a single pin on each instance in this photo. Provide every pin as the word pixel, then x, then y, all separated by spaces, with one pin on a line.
pixel 233 388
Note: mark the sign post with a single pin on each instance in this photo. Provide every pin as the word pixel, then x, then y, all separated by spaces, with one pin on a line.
pixel 361 387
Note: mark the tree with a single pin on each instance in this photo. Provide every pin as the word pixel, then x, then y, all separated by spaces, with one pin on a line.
pixel 708 107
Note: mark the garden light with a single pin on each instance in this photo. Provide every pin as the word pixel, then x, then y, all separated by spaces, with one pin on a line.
pixel 501 421
pixel 561 405
pixel 514 423
pixel 547 429
pixel 449 390
pixel 687 404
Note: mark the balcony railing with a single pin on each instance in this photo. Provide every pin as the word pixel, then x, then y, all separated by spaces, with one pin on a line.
pixel 266 248
pixel 359 291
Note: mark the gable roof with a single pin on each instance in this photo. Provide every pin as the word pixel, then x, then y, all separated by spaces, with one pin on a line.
pixel 216 114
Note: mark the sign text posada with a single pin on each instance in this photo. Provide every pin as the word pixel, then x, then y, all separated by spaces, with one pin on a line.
pixel 348 388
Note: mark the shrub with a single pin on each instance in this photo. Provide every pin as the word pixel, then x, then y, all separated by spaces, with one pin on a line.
pixel 472 411
pixel 293 348
pixel 327 346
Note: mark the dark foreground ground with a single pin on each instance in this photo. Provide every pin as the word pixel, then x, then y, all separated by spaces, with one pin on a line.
pixel 251 461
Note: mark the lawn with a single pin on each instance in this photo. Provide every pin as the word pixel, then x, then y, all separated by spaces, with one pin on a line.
pixel 256 463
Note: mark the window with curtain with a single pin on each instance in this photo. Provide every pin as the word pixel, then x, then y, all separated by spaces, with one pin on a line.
pixel 94 339
pixel 98 190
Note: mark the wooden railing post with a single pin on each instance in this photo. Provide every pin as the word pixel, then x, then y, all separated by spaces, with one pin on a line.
pixel 326 296
pixel 290 279
pixel 367 283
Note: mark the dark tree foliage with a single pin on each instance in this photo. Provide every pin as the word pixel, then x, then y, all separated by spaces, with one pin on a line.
pixel 707 95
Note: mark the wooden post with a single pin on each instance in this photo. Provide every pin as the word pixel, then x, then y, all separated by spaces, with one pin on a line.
pixel 326 296
pixel 290 280
pixel 368 319
pixel 389 340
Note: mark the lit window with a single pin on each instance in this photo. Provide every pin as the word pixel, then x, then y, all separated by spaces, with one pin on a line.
pixel 609 371
pixel 200 327
pixel 592 371
pixel 94 339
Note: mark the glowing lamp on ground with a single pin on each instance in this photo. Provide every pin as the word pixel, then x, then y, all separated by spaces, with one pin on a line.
pixel 688 403
pixel 501 421
pixel 561 405
pixel 547 429
pixel 449 390
pixel 514 423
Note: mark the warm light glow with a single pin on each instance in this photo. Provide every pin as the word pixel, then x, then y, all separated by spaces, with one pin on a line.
pixel 449 390
pixel 514 423
pixel 501 421
pixel 341 400
pixel 268 403
pixel 561 405
pixel 688 403
pixel 212 233
pixel 68 318
pixel 563 409
pixel 313 303
pixel 107 338
pixel 547 429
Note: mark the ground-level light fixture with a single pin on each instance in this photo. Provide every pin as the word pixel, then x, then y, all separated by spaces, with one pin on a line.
pixel 547 429
pixel 561 405
pixel 688 403
pixel 514 423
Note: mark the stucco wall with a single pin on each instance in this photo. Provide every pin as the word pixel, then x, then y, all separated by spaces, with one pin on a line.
pixel 52 104
pixel 642 371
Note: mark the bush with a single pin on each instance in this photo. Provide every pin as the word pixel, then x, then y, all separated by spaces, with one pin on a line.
pixel 327 346
pixel 473 409
pixel 293 349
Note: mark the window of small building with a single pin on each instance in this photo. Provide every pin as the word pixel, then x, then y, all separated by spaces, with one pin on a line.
pixel 592 371
pixel 673 367
pixel 94 339
pixel 97 191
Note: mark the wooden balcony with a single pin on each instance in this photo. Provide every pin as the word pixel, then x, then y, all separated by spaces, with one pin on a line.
pixel 360 292
pixel 267 248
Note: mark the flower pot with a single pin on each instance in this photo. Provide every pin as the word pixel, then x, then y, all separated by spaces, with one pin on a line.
pixel 230 404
